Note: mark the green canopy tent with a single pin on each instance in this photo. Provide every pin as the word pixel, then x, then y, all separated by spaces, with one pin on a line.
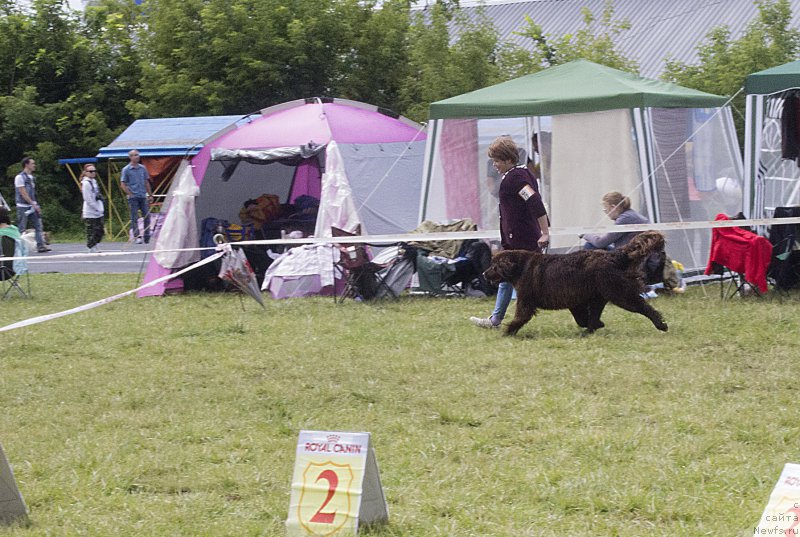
pixel 573 88
pixel 599 129
pixel 770 179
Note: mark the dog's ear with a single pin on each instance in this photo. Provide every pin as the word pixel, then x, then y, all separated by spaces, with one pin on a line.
pixel 510 264
pixel 645 243
pixel 502 263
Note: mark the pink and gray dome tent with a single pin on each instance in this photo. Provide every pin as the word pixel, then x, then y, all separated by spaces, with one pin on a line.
pixel 283 150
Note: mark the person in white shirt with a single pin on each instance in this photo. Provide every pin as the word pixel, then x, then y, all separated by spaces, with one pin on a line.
pixel 93 209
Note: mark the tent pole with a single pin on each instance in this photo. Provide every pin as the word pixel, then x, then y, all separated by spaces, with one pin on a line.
pixel 644 143
pixel 752 129
pixel 75 177
pixel 428 168
pixel 113 211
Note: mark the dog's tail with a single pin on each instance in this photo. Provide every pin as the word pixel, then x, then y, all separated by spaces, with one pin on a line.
pixel 642 245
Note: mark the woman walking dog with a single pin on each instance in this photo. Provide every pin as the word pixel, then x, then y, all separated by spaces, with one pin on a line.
pixel 523 218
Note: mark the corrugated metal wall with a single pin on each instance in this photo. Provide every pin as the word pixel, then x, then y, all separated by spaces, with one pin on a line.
pixel 660 29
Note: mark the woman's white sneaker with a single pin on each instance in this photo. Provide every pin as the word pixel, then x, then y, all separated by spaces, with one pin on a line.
pixel 484 322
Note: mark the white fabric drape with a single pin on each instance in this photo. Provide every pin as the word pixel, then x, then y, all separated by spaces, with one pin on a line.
pixel 306 260
pixel 180 225
pixel 336 205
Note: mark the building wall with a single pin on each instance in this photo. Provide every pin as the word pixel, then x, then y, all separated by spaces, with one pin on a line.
pixel 660 29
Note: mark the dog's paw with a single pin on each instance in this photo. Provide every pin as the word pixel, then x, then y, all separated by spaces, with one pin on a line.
pixel 662 326
pixel 594 328
pixel 511 330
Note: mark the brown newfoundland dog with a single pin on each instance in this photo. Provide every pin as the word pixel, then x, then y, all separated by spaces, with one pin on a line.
pixel 583 282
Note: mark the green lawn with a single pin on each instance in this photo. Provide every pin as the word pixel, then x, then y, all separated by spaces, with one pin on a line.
pixel 179 415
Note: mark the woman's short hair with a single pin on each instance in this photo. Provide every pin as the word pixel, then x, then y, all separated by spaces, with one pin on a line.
pixel 616 199
pixel 504 149
pixel 4 216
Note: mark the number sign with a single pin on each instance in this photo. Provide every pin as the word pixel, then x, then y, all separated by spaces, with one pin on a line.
pixel 12 506
pixel 782 514
pixel 336 485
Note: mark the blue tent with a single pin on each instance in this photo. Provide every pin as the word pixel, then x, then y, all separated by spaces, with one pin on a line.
pixel 167 137
pixel 177 136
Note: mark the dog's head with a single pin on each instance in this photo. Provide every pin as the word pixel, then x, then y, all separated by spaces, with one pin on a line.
pixel 507 266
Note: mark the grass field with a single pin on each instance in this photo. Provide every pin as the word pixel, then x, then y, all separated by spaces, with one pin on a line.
pixel 179 415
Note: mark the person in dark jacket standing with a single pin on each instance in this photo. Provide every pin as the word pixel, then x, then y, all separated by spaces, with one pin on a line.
pixel 523 217
pixel 28 208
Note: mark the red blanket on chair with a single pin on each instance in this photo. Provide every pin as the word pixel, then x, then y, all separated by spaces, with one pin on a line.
pixel 741 251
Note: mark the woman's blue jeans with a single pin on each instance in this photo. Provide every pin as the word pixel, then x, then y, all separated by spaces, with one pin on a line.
pixel 504 294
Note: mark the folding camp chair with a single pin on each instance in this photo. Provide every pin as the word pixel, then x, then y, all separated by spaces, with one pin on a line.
pixel 439 276
pixel 741 255
pixel 460 276
pixel 732 283
pixel 10 276
pixel 784 269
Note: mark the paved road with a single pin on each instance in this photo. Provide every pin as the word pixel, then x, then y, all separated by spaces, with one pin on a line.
pixel 135 260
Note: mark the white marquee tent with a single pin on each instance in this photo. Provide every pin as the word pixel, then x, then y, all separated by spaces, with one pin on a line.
pixel 672 150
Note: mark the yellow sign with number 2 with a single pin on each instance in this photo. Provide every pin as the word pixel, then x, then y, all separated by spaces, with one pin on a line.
pixel 336 485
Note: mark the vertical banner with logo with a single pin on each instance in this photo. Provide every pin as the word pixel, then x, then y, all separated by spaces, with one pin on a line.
pixel 336 485
pixel 782 514
pixel 12 506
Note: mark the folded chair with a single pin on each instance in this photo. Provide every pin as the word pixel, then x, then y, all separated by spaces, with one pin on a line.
pixel 399 265
pixel 742 254
pixel 363 278
pixel 12 271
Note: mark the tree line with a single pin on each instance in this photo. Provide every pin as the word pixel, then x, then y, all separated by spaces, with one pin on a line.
pixel 70 82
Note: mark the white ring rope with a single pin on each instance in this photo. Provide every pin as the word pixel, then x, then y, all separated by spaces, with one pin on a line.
pixel 373 239
pixel 85 307
pixel 444 236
